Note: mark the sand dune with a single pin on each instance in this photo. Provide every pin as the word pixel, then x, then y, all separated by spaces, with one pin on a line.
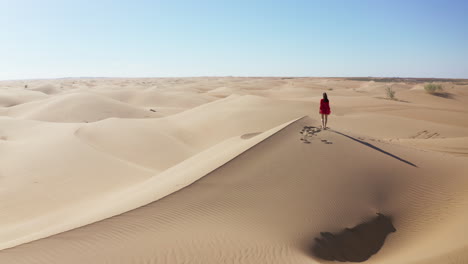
pixel 10 98
pixel 154 97
pixel 236 208
pixel 457 146
pixel 158 97
pixel 77 108
pixel 223 171
pixel 129 142
pixel 47 89
pixel 132 196
pixel 186 133
pixel 46 170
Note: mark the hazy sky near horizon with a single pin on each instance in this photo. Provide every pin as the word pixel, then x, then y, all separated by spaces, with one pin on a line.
pixel 104 38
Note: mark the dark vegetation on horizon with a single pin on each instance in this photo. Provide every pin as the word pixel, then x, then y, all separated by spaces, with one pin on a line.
pixel 406 80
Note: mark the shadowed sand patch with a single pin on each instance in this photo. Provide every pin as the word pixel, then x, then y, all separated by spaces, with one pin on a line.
pixel 47 89
pixel 355 244
pixel 250 135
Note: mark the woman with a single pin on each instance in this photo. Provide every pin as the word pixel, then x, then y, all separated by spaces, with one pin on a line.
pixel 324 110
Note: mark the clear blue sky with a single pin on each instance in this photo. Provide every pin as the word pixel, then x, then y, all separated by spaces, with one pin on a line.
pixel 65 38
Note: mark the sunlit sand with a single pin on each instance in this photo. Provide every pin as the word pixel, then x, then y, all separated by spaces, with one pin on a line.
pixel 232 170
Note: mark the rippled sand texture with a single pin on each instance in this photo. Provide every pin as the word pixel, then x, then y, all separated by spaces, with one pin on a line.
pixel 232 170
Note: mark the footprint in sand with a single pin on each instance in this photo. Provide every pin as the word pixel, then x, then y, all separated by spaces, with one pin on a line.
pixel 425 134
pixel 309 131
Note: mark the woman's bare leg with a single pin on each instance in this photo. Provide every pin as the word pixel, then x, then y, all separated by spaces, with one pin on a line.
pixel 323 122
pixel 326 120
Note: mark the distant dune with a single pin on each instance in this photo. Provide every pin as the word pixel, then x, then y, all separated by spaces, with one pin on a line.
pixel 232 170
pixel 77 108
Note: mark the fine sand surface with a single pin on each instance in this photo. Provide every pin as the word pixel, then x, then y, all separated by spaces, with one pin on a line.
pixel 232 170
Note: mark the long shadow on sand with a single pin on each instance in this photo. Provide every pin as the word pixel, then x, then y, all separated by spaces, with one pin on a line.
pixel 444 95
pixel 376 148
pixel 355 244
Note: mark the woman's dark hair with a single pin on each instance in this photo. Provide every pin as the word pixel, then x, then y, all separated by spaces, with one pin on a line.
pixel 325 97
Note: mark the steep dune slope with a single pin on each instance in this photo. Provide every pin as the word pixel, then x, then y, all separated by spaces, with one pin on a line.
pixel 268 204
pixel 135 188
pixel 47 172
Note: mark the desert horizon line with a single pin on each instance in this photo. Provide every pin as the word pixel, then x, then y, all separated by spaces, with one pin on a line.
pixel 240 76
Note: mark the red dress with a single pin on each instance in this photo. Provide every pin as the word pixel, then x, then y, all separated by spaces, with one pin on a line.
pixel 324 107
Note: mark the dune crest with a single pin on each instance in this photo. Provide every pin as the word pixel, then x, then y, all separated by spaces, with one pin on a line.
pixel 77 108
pixel 222 170
pixel 133 196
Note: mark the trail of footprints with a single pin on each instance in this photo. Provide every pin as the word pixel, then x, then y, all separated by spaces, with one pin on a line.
pixel 309 131
pixel 426 135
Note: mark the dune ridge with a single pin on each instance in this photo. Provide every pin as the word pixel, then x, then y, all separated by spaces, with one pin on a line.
pixel 77 108
pixel 150 190
pixel 242 198
pixel 222 170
